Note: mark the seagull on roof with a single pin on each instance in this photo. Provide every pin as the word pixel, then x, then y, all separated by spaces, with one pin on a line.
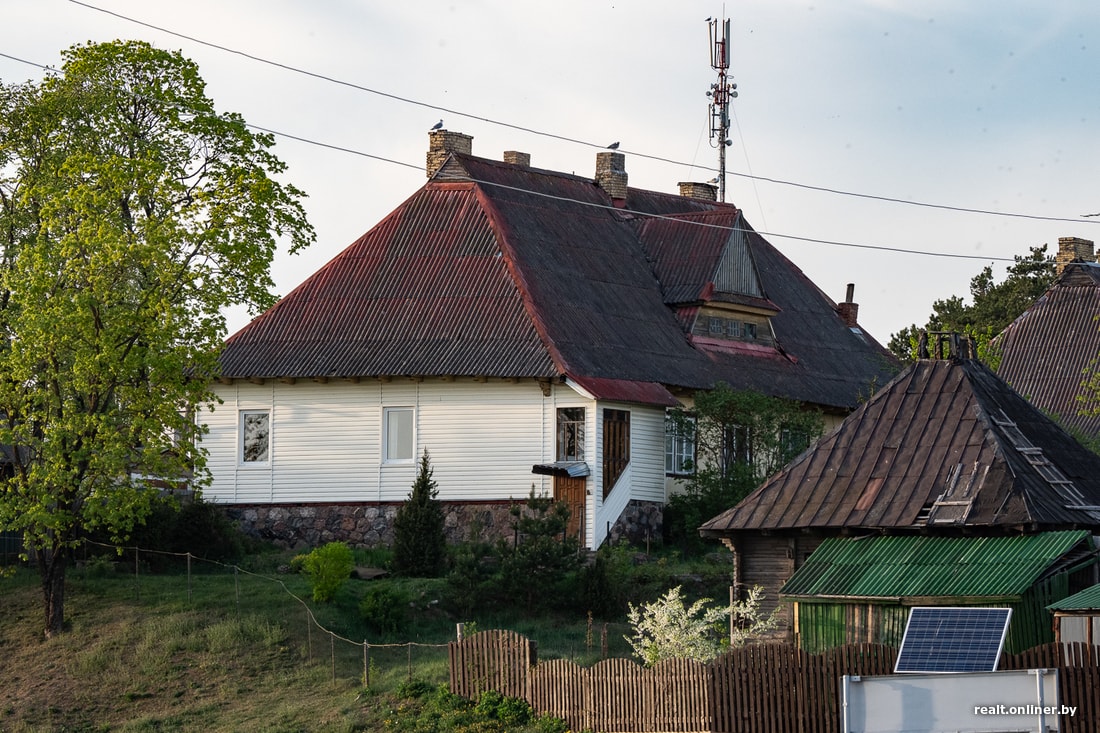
pixel 713 180
pixel 438 125
pixel 613 146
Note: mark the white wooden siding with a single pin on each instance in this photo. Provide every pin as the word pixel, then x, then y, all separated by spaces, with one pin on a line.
pixel 483 438
pixel 644 477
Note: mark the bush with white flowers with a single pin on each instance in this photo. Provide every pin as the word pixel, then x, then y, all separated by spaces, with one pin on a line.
pixel 667 629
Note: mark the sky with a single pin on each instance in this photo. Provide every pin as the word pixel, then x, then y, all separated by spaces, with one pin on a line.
pixel 900 145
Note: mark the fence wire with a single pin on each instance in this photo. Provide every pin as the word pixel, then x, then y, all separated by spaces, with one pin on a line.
pixel 322 644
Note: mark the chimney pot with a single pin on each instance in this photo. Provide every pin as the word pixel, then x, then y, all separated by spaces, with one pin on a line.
pixel 514 157
pixel 611 175
pixel 849 311
pixel 1073 248
pixel 695 190
pixel 441 143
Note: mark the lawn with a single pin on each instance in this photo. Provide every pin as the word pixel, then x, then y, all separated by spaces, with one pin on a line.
pixel 244 647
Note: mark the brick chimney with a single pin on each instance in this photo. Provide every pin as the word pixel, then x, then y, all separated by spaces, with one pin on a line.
pixel 442 143
pixel 706 191
pixel 514 157
pixel 849 311
pixel 1073 248
pixel 611 175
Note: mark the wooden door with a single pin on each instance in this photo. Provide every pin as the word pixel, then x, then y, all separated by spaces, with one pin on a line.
pixel 572 492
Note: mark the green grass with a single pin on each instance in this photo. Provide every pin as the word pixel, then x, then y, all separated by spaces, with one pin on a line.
pixel 251 651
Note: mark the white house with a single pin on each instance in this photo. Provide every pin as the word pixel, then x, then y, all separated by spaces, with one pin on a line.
pixel 527 328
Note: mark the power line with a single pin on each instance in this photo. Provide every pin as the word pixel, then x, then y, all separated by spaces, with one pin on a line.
pixel 542 133
pixel 635 212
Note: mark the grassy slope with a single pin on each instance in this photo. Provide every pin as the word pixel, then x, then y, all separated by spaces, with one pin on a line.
pixel 234 652
pixel 154 664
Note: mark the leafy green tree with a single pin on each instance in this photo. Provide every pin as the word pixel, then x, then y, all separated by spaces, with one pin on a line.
pixel 994 305
pixel 741 438
pixel 419 544
pixel 131 215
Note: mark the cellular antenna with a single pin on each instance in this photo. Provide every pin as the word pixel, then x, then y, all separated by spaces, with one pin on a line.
pixel 720 93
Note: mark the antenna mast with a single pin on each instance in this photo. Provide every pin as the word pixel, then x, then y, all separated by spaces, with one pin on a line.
pixel 720 94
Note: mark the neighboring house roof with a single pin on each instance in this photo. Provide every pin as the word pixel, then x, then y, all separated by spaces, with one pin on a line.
pixel 1047 351
pixel 501 270
pixel 1086 600
pixel 946 445
pixel 913 567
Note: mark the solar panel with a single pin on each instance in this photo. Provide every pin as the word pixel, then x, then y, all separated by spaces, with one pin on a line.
pixel 940 639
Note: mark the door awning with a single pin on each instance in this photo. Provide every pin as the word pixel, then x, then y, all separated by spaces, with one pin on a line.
pixel 568 469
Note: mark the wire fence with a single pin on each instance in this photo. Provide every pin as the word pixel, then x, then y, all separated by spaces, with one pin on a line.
pixel 346 657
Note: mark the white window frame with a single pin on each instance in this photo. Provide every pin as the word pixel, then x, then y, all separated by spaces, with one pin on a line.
pixel 387 439
pixel 679 447
pixel 241 436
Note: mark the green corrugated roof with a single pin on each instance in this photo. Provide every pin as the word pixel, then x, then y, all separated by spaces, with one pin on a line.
pixel 1086 600
pixel 889 567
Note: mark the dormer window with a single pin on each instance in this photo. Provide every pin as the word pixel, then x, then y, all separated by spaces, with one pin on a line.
pixel 733 329
pixel 750 331
pixel 716 326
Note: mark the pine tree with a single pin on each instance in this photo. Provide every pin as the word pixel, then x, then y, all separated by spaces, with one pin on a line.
pixel 419 545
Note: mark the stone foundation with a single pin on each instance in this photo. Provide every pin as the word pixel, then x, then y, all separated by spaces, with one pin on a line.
pixel 640 523
pixel 304 526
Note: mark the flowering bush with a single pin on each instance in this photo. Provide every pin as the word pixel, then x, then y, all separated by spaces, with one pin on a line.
pixel 667 629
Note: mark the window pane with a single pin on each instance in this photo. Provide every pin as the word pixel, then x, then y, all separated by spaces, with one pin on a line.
pixel 680 446
pixel 399 435
pixel 570 434
pixel 255 437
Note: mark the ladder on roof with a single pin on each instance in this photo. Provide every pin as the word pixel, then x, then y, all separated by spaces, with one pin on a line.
pixel 1034 455
pixel 954 504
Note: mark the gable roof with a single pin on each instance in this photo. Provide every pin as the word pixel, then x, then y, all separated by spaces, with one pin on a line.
pixel 922 566
pixel 501 270
pixel 1086 600
pixel 946 445
pixel 1047 351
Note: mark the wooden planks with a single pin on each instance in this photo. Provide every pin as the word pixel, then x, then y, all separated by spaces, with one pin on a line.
pixel 760 688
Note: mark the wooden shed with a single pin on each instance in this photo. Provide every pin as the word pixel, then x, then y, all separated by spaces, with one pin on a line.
pixel 853 590
pixel 1077 618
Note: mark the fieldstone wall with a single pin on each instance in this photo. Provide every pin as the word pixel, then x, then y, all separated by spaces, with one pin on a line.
pixel 304 526
pixel 640 522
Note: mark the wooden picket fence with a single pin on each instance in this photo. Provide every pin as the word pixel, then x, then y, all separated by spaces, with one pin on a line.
pixel 764 688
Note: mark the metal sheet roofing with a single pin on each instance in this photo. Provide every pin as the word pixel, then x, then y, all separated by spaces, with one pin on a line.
pixel 495 269
pixel 1047 351
pixel 945 445
pixel 1086 600
pixel 929 566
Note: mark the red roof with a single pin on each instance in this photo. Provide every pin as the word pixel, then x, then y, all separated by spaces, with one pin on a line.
pixel 499 270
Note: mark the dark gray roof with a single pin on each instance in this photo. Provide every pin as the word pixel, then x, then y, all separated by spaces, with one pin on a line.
pixel 945 447
pixel 494 269
pixel 1047 351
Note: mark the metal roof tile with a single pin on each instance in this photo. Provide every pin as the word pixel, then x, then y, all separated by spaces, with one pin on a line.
pixel 914 566
pixel 952 446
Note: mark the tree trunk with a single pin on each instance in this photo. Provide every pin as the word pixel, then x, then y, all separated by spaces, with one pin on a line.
pixel 51 567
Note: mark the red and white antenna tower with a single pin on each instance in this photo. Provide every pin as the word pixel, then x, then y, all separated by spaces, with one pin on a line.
pixel 720 93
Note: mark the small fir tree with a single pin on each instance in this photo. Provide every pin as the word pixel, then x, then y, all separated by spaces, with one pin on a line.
pixel 419 545
pixel 544 557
